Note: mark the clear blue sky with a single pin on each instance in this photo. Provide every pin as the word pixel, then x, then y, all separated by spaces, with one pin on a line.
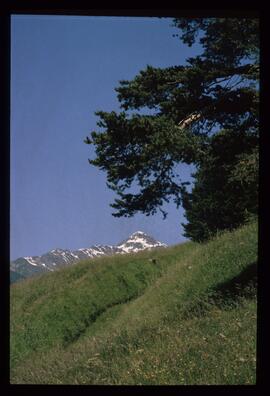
pixel 63 69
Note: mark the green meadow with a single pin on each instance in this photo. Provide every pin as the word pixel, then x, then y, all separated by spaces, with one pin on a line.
pixel 186 318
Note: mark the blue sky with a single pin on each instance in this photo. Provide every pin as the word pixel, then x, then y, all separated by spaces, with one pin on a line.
pixel 63 69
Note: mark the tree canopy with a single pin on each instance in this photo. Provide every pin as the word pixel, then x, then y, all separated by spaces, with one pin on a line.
pixel 204 113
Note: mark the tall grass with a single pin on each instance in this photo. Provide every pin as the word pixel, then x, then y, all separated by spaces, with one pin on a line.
pixel 188 319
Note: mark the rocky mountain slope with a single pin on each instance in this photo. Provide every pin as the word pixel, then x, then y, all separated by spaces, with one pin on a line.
pixel 29 266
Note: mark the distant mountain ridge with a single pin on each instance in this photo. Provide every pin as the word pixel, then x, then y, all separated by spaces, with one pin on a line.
pixel 24 267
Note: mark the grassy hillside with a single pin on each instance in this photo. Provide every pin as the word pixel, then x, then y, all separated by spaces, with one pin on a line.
pixel 188 319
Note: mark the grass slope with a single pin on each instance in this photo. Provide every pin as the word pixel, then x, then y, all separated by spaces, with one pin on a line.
pixel 188 319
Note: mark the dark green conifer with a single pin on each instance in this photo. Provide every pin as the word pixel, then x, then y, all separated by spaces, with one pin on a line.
pixel 204 113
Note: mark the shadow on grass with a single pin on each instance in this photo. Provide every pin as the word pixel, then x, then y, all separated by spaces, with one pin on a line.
pixel 227 295
pixel 241 286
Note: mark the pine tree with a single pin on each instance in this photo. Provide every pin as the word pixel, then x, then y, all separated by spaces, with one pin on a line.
pixel 204 113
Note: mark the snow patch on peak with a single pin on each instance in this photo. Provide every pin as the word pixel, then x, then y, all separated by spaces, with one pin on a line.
pixel 139 233
pixel 139 240
pixel 30 261
pixel 57 251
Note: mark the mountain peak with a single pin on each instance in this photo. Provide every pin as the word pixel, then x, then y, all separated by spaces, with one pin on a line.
pixel 137 241
pixel 139 234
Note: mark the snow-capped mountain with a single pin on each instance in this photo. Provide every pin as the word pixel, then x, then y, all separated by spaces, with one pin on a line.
pixel 27 266
pixel 139 241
